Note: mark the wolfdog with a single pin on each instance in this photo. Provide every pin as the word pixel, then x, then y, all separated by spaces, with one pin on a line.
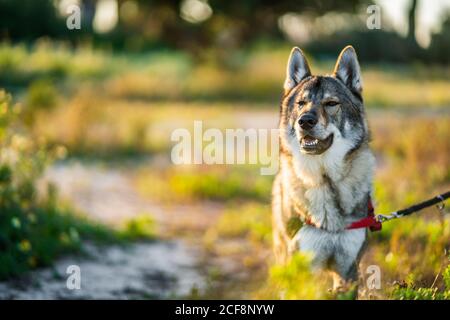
pixel 326 167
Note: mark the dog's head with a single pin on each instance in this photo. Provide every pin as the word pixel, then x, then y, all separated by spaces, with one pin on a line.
pixel 320 111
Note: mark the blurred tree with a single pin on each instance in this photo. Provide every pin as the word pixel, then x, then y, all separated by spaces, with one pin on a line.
pixel 88 13
pixel 229 24
pixel 254 18
pixel 440 44
pixel 412 22
pixel 28 19
pixel 197 26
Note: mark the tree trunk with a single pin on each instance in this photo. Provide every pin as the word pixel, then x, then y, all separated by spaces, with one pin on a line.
pixel 412 22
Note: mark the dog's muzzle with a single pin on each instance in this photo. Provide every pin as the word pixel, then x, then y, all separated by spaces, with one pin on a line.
pixel 312 145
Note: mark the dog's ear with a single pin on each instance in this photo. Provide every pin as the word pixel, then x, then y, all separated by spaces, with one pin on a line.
pixel 348 71
pixel 297 69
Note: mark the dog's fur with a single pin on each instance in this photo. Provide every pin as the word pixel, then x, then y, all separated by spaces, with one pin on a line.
pixel 328 184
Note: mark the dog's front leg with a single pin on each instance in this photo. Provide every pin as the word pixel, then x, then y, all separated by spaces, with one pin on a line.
pixel 346 286
pixel 343 282
pixel 281 246
pixel 314 243
pixel 338 281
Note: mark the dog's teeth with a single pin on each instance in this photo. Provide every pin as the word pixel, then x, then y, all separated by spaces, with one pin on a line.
pixel 310 142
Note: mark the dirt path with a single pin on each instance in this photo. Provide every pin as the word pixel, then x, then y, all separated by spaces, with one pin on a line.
pixel 158 269
pixel 141 271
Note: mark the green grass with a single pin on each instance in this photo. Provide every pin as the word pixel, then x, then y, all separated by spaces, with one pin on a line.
pixel 205 183
pixel 36 236
pixel 410 291
pixel 74 96
pixel 20 65
pixel 255 75
pixel 250 220
pixel 96 104
pixel 35 228
pixel 294 281
pixel 141 227
pixel 413 166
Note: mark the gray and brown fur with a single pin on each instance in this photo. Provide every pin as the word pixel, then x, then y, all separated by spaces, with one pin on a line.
pixel 329 184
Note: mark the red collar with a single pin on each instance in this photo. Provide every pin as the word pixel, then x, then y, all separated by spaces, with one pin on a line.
pixel 368 222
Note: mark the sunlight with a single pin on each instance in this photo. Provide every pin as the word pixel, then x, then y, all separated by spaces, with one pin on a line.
pixel 106 16
pixel 195 11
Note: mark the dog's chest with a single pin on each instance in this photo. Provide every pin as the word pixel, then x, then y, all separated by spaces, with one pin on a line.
pixel 332 190
pixel 324 208
pixel 341 248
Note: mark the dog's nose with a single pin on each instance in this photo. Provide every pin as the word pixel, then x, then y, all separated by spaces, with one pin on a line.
pixel 307 121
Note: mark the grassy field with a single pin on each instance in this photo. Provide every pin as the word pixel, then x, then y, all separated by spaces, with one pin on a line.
pixel 36 227
pixel 411 252
pixel 252 75
pixel 104 106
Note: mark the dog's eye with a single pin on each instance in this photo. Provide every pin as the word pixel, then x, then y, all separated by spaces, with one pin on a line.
pixel 301 103
pixel 331 103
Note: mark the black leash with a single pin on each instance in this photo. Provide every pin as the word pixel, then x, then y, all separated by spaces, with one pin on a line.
pixel 417 207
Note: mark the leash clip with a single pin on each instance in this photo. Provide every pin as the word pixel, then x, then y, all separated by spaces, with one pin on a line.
pixel 382 218
pixel 387 217
pixel 441 206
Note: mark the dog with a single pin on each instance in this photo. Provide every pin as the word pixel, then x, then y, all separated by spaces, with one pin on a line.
pixel 324 181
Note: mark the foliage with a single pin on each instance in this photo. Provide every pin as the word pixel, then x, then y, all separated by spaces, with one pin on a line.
pixel 172 76
pixel 20 65
pixel 411 169
pixel 296 281
pixel 251 220
pixel 207 182
pixel 34 227
pixel 29 19
pixel 409 291
pixel 140 227
pixel 129 105
pixel 41 95
pixel 229 26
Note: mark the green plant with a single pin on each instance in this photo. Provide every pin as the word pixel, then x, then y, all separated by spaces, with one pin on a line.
pixel 251 220
pixel 296 281
pixel 139 227
pixel 34 227
pixel 206 183
pixel 410 292
pixel 41 96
